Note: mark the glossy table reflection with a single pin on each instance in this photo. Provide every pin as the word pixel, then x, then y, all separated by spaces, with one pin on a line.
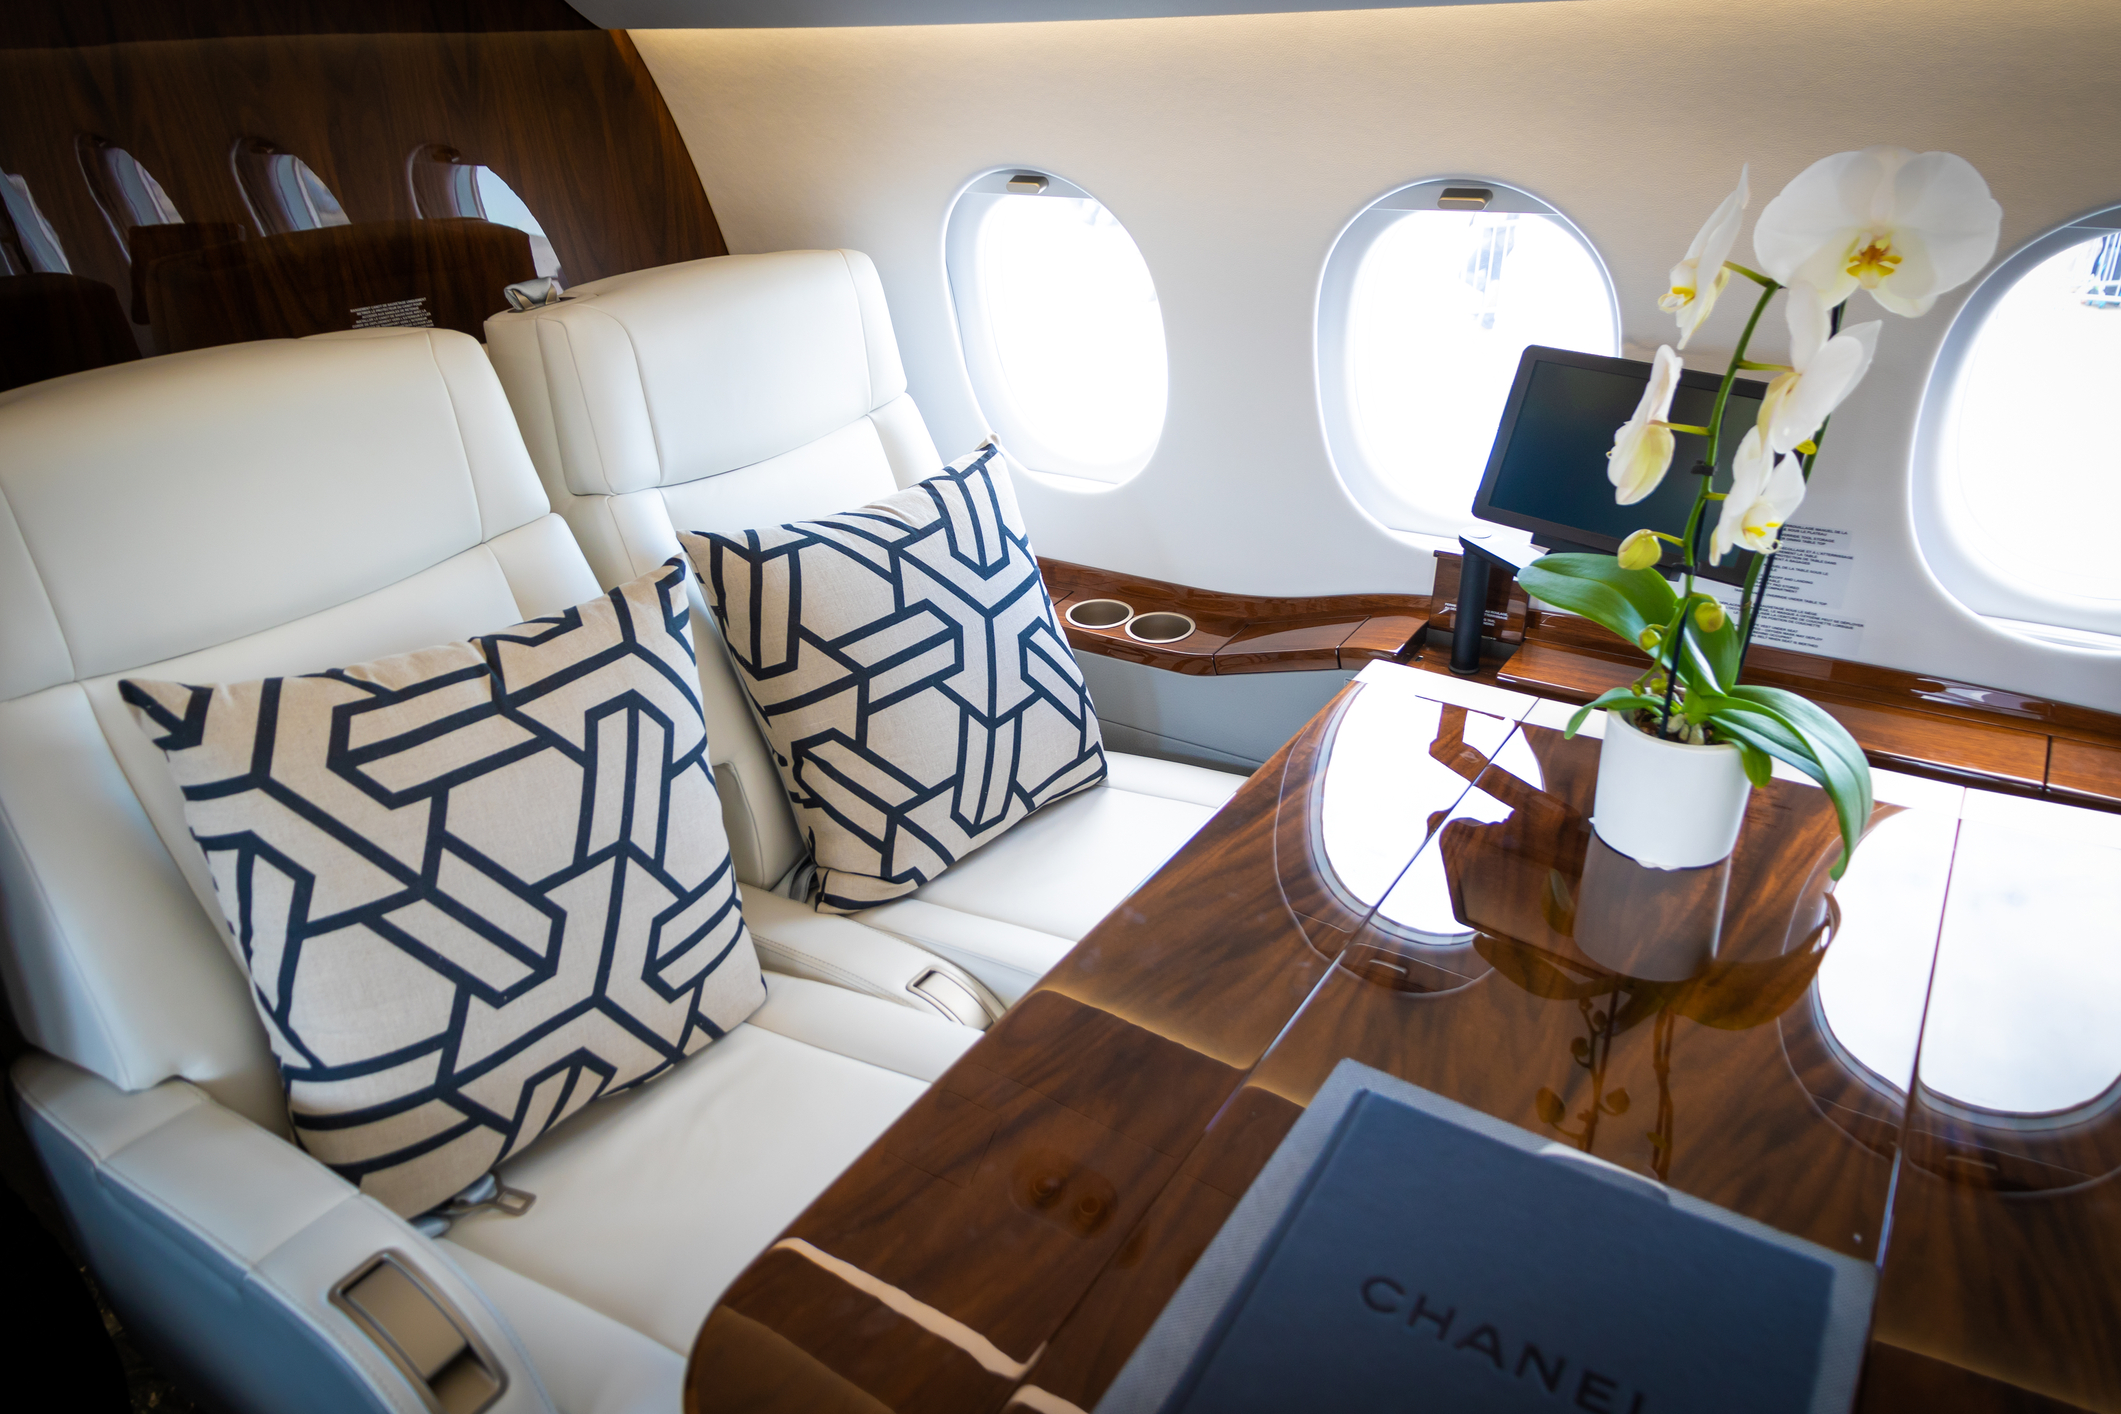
pixel 1413 882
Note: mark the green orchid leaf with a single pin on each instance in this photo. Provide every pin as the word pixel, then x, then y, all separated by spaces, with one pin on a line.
pixel 1623 697
pixel 1595 586
pixel 1842 770
pixel 1759 766
pixel 1769 737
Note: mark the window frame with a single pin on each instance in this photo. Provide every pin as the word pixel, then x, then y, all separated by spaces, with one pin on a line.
pixel 989 380
pixel 2012 605
pixel 1371 489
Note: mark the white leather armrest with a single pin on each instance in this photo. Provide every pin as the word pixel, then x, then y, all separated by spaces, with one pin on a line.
pixel 797 940
pixel 220 1245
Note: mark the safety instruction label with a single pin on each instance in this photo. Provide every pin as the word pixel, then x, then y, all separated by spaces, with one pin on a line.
pixel 1807 585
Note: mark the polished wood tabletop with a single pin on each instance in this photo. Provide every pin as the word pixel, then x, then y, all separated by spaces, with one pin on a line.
pixel 1920 1066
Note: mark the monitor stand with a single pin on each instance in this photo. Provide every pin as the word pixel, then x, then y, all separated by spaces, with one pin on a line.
pixel 1473 590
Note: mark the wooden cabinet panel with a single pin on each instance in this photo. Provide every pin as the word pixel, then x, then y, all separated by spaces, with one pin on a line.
pixel 2084 772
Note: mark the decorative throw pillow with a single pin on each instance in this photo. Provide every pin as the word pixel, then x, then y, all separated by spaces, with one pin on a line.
pixel 909 671
pixel 477 886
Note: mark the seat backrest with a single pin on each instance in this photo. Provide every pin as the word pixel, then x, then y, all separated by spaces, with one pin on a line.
pixel 211 517
pixel 720 394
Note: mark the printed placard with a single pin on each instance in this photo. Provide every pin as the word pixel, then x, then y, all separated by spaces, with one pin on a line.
pixel 1802 609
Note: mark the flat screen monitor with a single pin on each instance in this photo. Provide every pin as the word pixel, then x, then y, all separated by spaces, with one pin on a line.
pixel 1547 470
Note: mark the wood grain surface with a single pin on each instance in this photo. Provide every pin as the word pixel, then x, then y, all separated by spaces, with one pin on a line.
pixel 1241 633
pixel 568 116
pixel 1055 1188
pixel 1000 1198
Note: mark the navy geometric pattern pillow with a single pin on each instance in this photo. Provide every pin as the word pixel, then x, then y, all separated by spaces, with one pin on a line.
pixel 906 663
pixel 476 886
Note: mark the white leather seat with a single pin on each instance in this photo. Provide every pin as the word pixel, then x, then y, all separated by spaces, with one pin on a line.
pixel 284 507
pixel 751 390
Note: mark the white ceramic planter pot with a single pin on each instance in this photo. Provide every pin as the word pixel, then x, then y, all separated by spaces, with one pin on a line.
pixel 1667 804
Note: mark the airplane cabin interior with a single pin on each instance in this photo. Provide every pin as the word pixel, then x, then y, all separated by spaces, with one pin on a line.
pixel 1069 706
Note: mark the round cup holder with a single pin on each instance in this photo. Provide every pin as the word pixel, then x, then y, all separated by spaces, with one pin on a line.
pixel 1100 613
pixel 1159 628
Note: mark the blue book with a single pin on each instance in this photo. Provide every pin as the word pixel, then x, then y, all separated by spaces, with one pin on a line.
pixel 1404 1252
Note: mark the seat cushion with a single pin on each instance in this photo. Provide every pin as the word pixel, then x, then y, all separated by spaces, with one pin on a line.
pixel 477 886
pixel 1010 912
pixel 650 1204
pixel 910 674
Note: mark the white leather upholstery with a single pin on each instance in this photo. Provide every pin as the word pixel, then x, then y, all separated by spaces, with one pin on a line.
pixel 796 939
pixel 284 507
pixel 752 390
pixel 651 1202
pixel 199 1223
pixel 717 394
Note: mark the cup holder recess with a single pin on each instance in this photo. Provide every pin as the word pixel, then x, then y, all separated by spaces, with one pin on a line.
pixel 1159 628
pixel 1100 613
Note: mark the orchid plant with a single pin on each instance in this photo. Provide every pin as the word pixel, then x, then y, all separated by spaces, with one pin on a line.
pixel 1906 227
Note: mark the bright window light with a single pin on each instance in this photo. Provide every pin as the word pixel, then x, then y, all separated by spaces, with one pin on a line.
pixel 2030 455
pixel 2017 471
pixel 1062 331
pixel 1423 316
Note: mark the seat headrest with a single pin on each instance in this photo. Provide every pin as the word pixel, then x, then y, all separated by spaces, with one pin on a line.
pixel 665 376
pixel 159 507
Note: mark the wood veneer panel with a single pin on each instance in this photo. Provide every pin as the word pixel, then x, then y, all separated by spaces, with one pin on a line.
pixel 1300 644
pixel 1971 753
pixel 2084 772
pixel 569 117
pixel 1193 655
pixel 1505 612
pixel 1393 638
pixel 71 24
pixel 1897 1381
pixel 1699 1065
pixel 1240 633
pixel 1993 751
pixel 2017 1287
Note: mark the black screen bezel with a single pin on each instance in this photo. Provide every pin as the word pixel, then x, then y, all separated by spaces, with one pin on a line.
pixel 1732 571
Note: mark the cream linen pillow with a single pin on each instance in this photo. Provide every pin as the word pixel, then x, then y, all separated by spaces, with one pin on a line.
pixel 477 886
pixel 911 676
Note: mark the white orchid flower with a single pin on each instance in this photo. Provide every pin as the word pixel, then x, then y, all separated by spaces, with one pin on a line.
pixel 1823 371
pixel 1905 226
pixel 1764 490
pixel 1642 447
pixel 1698 279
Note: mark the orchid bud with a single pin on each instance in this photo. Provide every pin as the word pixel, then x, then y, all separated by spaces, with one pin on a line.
pixel 1709 615
pixel 1651 638
pixel 1640 550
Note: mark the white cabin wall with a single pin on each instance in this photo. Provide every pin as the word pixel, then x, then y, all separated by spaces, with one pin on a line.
pixel 1236 148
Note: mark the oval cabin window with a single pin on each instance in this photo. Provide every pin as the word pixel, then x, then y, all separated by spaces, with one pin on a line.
pixel 1059 322
pixel 2018 470
pixel 1429 298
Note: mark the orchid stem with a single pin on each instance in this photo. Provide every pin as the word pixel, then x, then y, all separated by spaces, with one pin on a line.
pixel 1754 275
pixel 1671 675
pixel 1715 428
